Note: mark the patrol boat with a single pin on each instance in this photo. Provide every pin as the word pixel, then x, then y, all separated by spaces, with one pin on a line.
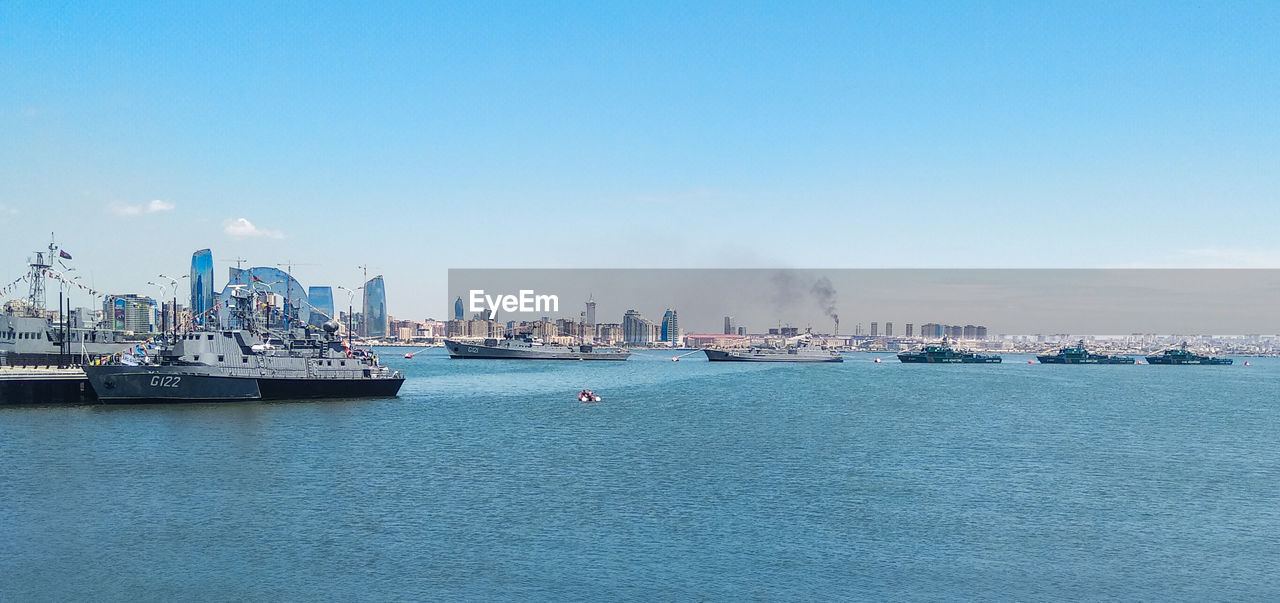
pixel 1080 355
pixel 527 347
pixel 1181 355
pixel 245 364
pixel 795 349
pixel 943 352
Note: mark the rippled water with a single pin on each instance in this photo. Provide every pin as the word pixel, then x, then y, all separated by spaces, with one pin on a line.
pixel 488 480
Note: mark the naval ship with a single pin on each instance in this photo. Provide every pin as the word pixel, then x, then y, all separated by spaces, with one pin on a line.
pixel 795 349
pixel 943 352
pixel 1079 355
pixel 526 347
pixel 1181 355
pixel 29 335
pixel 245 363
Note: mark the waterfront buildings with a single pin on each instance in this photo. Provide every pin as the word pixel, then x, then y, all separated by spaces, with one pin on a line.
pixel 636 330
pixel 590 316
pixel 130 312
pixel 458 308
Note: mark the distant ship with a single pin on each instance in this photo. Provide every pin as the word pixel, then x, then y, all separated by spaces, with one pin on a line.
pixel 1181 355
pixel 797 349
pixel 943 352
pixel 525 347
pixel 244 364
pixel 1080 355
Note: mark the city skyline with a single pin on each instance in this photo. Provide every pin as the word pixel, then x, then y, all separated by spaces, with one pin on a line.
pixel 1006 301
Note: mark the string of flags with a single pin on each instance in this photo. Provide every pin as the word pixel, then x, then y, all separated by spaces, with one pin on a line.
pixel 57 276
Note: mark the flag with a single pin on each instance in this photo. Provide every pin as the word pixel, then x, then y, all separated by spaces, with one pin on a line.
pixel 62 253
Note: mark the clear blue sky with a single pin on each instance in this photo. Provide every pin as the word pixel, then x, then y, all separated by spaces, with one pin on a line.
pixel 416 137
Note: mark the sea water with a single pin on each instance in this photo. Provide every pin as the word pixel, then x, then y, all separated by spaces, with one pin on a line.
pixel 488 480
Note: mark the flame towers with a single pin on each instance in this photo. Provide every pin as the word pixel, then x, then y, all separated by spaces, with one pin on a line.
pixel 201 286
pixel 375 308
pixel 321 300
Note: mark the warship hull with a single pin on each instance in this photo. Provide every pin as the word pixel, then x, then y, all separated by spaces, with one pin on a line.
pixel 778 356
pixel 1055 359
pixel 926 359
pixel 129 384
pixel 1198 361
pixel 459 349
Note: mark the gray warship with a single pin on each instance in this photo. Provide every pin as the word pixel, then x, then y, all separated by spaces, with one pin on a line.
pixel 526 347
pixel 245 363
pixel 794 349
pixel 30 336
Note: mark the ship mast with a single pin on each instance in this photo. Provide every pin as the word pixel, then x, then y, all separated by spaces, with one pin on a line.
pixel 35 296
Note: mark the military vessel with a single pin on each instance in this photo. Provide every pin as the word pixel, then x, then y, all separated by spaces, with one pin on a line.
pixel 526 347
pixel 943 352
pixel 796 349
pixel 1181 355
pixel 29 335
pixel 1079 355
pixel 238 364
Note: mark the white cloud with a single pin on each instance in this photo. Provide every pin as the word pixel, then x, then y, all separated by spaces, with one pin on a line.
pixel 6 210
pixel 241 227
pixel 156 205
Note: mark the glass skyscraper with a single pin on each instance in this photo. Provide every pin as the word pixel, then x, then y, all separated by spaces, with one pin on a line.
pixel 670 327
pixel 321 299
pixel 202 287
pixel 375 308
pixel 457 308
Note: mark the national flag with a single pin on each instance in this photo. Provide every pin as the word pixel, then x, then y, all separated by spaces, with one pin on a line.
pixel 256 279
pixel 62 253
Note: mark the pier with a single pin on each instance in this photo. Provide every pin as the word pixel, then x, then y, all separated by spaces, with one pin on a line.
pixel 44 385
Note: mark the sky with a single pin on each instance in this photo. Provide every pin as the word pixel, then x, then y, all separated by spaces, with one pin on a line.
pixel 412 138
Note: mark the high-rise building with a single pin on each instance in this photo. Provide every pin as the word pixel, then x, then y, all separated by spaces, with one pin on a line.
pixel 888 329
pixel 590 316
pixel 321 300
pixel 375 308
pixel 457 308
pixel 635 329
pixel 981 332
pixel 130 312
pixel 970 332
pixel 202 287
pixel 910 329
pixel 742 330
pixel 875 329
pixel 932 330
pixel 728 325
pixel 670 332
